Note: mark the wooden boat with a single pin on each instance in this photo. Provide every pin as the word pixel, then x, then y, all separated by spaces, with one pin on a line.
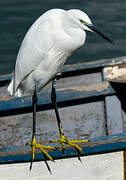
pixel 102 158
pixel 91 99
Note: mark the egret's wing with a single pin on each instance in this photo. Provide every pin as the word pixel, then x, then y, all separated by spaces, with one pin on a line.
pixel 34 49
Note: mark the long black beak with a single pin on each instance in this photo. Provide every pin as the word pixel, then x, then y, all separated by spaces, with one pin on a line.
pixel 92 27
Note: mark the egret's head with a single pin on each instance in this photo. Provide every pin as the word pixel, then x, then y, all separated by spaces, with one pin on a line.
pixel 82 20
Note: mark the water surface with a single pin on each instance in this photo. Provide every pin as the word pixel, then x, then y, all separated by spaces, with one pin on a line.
pixel 17 16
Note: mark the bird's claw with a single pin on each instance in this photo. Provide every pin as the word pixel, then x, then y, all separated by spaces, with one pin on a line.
pixel 42 148
pixel 63 140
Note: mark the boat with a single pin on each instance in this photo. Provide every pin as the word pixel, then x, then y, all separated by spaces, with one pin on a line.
pixel 91 101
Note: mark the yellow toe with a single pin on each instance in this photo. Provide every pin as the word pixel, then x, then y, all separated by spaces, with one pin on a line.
pixel 41 147
pixel 63 140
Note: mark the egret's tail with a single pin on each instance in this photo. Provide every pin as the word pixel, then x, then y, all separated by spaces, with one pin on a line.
pixel 11 89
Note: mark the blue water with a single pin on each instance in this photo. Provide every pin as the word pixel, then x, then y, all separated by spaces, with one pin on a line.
pixel 16 16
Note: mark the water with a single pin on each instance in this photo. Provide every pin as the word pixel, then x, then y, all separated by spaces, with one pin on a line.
pixel 17 16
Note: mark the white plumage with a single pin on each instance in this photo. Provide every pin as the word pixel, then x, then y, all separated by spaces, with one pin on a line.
pixel 44 50
pixel 49 42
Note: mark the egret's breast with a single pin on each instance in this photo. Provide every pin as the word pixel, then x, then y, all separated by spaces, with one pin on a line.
pixel 77 39
pixel 69 40
pixel 65 37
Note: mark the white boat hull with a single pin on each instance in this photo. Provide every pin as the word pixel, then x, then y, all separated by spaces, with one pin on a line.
pixel 96 167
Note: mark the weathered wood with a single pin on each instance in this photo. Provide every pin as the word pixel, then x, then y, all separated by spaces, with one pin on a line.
pixel 77 87
pixel 98 167
pixel 95 146
pixel 114 115
pixel 79 122
pixel 65 97
pixel 116 73
pixel 78 69
pixel 124 157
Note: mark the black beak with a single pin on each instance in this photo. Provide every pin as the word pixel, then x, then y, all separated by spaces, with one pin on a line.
pixel 92 27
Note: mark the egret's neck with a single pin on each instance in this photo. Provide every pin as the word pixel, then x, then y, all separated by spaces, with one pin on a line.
pixel 66 36
pixel 74 35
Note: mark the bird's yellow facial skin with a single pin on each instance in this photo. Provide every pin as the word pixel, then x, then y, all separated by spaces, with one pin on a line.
pixel 83 22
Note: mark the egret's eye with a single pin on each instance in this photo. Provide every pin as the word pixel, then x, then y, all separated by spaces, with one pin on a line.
pixel 83 22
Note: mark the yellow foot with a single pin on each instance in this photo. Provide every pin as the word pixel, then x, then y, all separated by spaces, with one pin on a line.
pixel 42 148
pixel 63 140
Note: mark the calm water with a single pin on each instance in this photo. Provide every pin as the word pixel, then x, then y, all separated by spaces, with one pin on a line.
pixel 16 16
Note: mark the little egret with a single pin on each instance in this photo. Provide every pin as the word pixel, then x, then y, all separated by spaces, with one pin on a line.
pixel 52 38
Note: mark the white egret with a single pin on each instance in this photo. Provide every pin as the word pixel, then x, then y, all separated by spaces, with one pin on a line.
pixel 53 37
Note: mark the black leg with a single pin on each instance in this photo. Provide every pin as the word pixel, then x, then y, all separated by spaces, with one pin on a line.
pixel 34 103
pixel 63 140
pixel 34 145
pixel 53 99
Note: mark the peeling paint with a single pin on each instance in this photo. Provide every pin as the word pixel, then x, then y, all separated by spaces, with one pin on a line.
pixel 6 98
pixel 93 87
pixel 116 73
